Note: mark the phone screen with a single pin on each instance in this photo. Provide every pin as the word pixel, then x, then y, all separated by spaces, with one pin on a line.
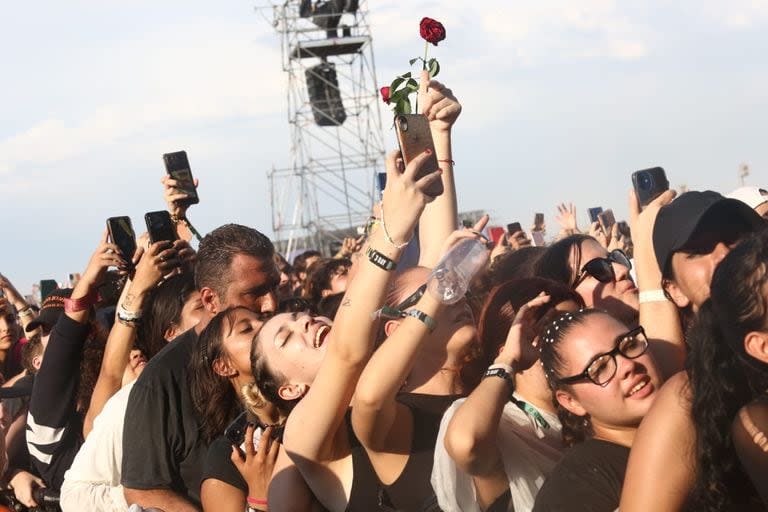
pixel 122 235
pixel 177 167
pixel 594 212
pixel 160 226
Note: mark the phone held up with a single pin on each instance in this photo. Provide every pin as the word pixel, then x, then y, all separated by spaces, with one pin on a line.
pixel 607 221
pixel 415 137
pixel 514 227
pixel 177 167
pixel 649 184
pixel 593 213
pixel 160 226
pixel 235 432
pixel 122 235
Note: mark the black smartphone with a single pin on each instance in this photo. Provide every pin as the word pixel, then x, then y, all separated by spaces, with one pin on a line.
pixel 160 226
pixel 606 220
pixel 649 184
pixel 415 137
pixel 381 180
pixel 624 229
pixel 177 167
pixel 514 227
pixel 235 432
pixel 538 222
pixel 122 235
pixel 593 214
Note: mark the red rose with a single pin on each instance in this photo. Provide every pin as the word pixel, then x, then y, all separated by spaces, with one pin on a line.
pixel 385 94
pixel 432 30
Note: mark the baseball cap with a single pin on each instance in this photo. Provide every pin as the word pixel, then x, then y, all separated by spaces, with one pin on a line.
pixel 51 310
pixel 752 196
pixel 678 221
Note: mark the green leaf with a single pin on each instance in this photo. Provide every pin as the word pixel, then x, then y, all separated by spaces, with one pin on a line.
pixel 395 84
pixel 412 84
pixel 434 68
pixel 413 60
pixel 406 75
pixel 406 106
pixel 396 96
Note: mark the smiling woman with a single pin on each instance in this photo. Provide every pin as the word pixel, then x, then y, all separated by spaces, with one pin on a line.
pixel 604 381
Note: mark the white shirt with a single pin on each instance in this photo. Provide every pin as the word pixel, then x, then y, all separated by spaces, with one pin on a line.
pixel 92 483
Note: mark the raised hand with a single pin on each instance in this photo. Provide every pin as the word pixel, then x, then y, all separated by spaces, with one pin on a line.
pixel 106 255
pixel 519 350
pixel 566 217
pixel 256 465
pixel 174 197
pixel 438 103
pixel 518 240
pixel 404 197
pixel 154 263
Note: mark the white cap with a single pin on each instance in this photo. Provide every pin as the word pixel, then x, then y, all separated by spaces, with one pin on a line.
pixel 752 196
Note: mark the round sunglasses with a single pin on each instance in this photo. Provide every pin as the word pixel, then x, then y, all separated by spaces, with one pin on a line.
pixel 602 268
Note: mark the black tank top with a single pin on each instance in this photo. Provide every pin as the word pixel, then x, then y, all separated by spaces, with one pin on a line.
pixel 412 491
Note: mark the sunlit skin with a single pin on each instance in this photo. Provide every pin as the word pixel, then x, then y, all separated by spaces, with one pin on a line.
pixel 693 275
pixel 9 332
pixel 252 282
pixel 294 345
pixel 614 408
pixel 619 297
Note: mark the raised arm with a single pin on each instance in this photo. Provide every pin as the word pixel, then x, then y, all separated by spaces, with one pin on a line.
pixel 440 217
pixel 12 295
pixel 177 207
pixel 318 416
pixel 375 412
pixel 152 265
pixel 472 435
pixel 658 316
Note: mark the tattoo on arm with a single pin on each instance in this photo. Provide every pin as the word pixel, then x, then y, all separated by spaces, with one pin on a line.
pixel 129 298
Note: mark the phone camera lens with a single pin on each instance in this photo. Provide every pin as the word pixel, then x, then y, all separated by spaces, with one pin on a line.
pixel 645 181
pixel 403 122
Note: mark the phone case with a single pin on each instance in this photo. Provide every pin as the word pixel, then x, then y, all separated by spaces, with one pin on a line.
pixel 594 212
pixel 121 234
pixel 177 167
pixel 160 226
pixel 649 184
pixel 607 220
pixel 414 137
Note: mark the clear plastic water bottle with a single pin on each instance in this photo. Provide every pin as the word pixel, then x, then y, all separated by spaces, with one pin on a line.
pixel 450 279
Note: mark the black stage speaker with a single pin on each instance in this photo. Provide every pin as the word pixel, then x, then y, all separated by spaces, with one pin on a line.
pixel 324 96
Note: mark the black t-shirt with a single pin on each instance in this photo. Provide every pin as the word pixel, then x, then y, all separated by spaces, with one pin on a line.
pixel 588 478
pixel 162 446
pixel 218 464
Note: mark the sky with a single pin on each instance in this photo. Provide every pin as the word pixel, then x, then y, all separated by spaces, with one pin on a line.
pixel 562 100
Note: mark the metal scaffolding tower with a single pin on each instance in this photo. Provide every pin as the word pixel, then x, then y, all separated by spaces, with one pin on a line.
pixel 336 144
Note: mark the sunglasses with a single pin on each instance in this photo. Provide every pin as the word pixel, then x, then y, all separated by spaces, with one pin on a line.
pixel 602 268
pixel 601 368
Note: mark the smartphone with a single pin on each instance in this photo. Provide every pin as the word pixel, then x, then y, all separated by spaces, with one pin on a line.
pixel 415 137
pixel 538 238
pixel 235 432
pixel 122 235
pixel 538 222
pixel 495 233
pixel 381 181
pixel 606 220
pixel 467 223
pixel 649 184
pixel 47 286
pixel 177 167
pixel 593 213
pixel 514 227
pixel 160 226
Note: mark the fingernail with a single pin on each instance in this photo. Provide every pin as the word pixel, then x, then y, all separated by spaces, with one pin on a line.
pixel 440 171
pixel 428 151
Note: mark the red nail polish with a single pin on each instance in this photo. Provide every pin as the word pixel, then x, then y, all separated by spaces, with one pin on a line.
pixel 440 171
pixel 428 151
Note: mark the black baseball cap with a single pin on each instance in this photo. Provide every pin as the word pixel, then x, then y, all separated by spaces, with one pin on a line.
pixel 51 310
pixel 678 221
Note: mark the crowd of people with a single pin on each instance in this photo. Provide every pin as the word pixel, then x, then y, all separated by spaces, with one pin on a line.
pixel 603 371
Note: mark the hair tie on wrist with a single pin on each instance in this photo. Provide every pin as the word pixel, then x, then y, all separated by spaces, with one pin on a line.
pixel 448 161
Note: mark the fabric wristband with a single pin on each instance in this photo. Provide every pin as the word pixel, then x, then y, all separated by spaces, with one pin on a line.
pixel 653 296
pixel 380 260
pixel 503 371
pixel 423 318
pixel 76 305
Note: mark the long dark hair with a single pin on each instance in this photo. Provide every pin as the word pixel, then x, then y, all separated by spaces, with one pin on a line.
pixel 555 263
pixel 723 377
pixel 162 310
pixel 216 402
pixel 576 429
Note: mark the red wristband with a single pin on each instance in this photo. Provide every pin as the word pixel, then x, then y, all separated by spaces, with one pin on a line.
pixel 453 164
pixel 254 501
pixel 81 304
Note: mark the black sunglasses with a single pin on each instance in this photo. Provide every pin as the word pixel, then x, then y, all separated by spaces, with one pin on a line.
pixel 602 268
pixel 601 368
